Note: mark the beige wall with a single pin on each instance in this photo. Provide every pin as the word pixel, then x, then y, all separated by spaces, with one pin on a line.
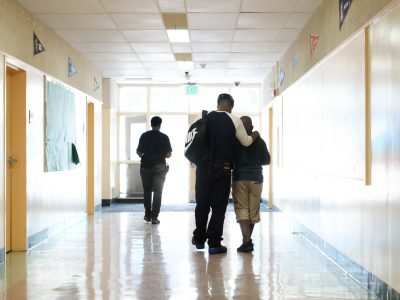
pixel 16 36
pixel 110 106
pixel 320 171
pixel 325 23
pixel 52 197
pixel 2 162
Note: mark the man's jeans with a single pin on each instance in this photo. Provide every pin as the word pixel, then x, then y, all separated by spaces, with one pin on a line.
pixel 153 181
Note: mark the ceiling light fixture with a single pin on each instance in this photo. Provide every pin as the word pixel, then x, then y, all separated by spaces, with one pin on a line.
pixel 185 65
pixel 178 35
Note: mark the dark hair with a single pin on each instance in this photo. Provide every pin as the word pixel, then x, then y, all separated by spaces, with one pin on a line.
pixel 155 121
pixel 225 97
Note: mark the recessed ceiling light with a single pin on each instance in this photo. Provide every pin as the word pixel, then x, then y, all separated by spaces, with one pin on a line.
pixel 178 35
pixel 185 65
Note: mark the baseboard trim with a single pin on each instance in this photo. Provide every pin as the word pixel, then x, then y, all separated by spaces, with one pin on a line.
pixel 366 279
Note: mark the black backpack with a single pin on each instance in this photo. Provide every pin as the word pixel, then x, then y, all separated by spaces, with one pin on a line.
pixel 197 144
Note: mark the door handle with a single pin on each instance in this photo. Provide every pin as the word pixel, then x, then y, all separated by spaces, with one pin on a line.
pixel 11 161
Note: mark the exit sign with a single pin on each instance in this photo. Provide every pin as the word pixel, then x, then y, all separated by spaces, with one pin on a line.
pixel 191 89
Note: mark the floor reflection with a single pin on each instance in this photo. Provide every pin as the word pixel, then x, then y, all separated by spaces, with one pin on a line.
pixel 118 256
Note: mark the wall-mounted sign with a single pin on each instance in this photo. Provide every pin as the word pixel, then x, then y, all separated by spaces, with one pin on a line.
pixel 282 76
pixel 313 43
pixel 191 89
pixel 344 6
pixel 71 67
pixel 37 45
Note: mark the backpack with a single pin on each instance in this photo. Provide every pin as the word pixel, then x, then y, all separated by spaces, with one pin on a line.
pixel 197 144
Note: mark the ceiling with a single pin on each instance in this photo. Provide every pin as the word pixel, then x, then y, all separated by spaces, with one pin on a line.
pixel 230 40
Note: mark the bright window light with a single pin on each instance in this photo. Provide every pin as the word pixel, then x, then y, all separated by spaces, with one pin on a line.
pixel 178 35
pixel 185 65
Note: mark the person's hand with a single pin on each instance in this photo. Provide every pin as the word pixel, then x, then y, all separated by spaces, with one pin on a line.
pixel 255 135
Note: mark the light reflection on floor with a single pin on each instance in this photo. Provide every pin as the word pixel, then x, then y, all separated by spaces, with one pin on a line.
pixel 118 256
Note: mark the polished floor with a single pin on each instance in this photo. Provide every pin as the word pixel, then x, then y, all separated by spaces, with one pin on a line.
pixel 118 256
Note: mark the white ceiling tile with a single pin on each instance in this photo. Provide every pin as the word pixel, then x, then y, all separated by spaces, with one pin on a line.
pixel 262 72
pixel 156 56
pixel 61 6
pixel 287 35
pixel 209 72
pixel 181 48
pixel 125 72
pixel 210 56
pixel 151 36
pixel 211 35
pixel 240 72
pixel 268 5
pixel 166 72
pixel 77 21
pixel 246 57
pixel 279 46
pixel 262 20
pixel 256 35
pixel 91 36
pixel 159 65
pixel 267 64
pixel 214 20
pixel 119 65
pixel 103 47
pixel 271 56
pixel 138 21
pixel 151 47
pixel 213 5
pixel 243 65
pixel 128 6
pixel 111 56
pixel 211 47
pixel 177 6
pixel 297 20
pixel 211 64
pixel 307 5
pixel 251 47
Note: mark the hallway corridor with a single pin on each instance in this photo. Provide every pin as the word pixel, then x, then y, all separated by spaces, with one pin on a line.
pixel 118 256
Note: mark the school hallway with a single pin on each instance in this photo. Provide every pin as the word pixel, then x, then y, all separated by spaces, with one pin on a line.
pixel 119 256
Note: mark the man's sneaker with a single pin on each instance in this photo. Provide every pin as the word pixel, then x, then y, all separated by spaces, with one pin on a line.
pixel 217 250
pixel 147 219
pixel 198 245
pixel 155 221
pixel 247 247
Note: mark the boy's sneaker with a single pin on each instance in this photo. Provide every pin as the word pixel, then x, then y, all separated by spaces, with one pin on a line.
pixel 198 245
pixel 247 247
pixel 155 221
pixel 217 250
pixel 147 219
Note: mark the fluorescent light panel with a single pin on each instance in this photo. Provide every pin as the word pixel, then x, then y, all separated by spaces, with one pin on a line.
pixel 185 65
pixel 178 35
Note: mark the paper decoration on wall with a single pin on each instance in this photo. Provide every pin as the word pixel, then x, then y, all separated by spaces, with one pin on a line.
pixel 295 62
pixel 37 45
pixel 313 42
pixel 96 85
pixel 71 67
pixel 344 6
pixel 282 75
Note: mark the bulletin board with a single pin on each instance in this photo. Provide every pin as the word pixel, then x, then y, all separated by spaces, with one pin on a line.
pixel 61 152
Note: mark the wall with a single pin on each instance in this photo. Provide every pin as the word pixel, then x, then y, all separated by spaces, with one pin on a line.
pixel 54 200
pixel 325 23
pixel 319 171
pixel 109 136
pixel 52 197
pixel 2 162
pixel 16 39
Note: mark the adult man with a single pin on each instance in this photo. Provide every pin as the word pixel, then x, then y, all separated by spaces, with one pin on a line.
pixel 153 148
pixel 213 179
pixel 247 184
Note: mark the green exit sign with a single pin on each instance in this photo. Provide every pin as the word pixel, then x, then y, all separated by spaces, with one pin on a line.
pixel 191 89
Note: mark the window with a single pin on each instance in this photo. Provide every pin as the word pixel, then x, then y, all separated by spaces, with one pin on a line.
pixel 133 99
pixel 168 99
